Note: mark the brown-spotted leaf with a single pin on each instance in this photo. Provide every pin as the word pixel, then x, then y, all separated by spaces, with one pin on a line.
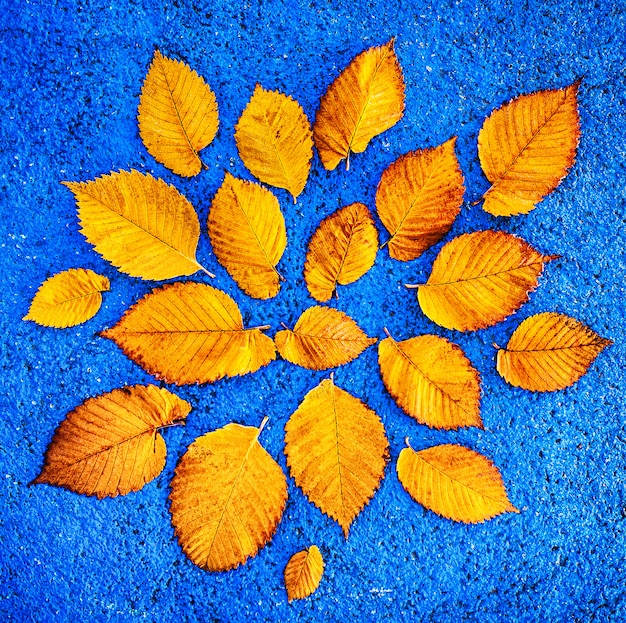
pixel 303 573
pixel 190 333
pixel 418 198
pixel 548 352
pixel 110 444
pixel 228 496
pixel 526 148
pixel 336 451
pixel 366 99
pixel 342 249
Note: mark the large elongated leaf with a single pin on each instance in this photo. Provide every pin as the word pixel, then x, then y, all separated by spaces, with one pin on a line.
pixel 190 333
pixel 140 224
pixel 228 496
pixel 177 115
pixel 548 352
pixel 303 573
pixel 366 99
pixel 342 249
pixel 110 444
pixel 336 451
pixel 526 148
pixel 248 235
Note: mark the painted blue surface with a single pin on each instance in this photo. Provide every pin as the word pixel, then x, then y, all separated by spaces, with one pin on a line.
pixel 71 77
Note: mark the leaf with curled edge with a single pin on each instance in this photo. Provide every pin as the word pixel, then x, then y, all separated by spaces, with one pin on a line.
pixel 303 573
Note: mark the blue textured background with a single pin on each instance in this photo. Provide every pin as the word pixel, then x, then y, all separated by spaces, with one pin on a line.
pixel 71 77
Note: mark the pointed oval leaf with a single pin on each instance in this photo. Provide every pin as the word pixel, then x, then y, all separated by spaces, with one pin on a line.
pixel 322 338
pixel 248 234
pixel 275 141
pixel 526 148
pixel 228 496
pixel 454 482
pixel 342 249
pixel 366 99
pixel 140 224
pixel 303 573
pixel 418 198
pixel 432 380
pixel 68 298
pixel 336 451
pixel 548 352
pixel 177 115
pixel 190 333
pixel 110 444
pixel 479 279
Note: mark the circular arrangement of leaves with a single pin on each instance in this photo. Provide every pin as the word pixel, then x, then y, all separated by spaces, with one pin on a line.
pixel 228 494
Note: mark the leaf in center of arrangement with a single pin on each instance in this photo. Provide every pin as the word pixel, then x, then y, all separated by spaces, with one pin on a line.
pixel 190 333
pixel 248 234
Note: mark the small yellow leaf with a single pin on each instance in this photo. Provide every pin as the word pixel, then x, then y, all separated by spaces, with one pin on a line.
pixel 275 141
pixel 336 451
pixel 248 234
pixel 190 333
pixel 365 100
pixel 418 198
pixel 548 352
pixel 322 338
pixel 303 573
pixel 68 298
pixel 432 380
pixel 342 249
pixel 228 496
pixel 177 115
pixel 526 148
pixel 479 279
pixel 110 444
pixel 454 482
pixel 140 224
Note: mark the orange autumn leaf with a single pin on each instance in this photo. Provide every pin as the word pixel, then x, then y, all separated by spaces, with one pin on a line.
pixel 454 482
pixel 418 198
pixel 342 249
pixel 190 333
pixel 275 141
pixel 336 451
pixel 303 573
pixel 548 352
pixel 322 338
pixel 526 148
pixel 228 496
pixel 68 298
pixel 432 380
pixel 177 115
pixel 479 279
pixel 248 234
pixel 110 444
pixel 366 99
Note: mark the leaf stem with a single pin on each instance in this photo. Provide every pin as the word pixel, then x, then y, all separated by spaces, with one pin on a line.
pixel 384 244
pixel 174 423
pixel 413 286
pixel 204 270
pixel 406 441
pixel 387 332
pixel 284 326
pixel 263 327
pixel 263 423
pixel 348 161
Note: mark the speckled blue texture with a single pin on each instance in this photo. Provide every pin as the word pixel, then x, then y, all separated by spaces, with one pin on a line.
pixel 71 76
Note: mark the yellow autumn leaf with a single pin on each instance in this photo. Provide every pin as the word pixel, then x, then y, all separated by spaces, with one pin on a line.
pixel 454 482
pixel 68 298
pixel 177 115
pixel 248 234
pixel 190 333
pixel 303 573
pixel 342 249
pixel 366 99
pixel 140 224
pixel 228 496
pixel 549 351
pixel 526 148
pixel 432 380
pixel 336 451
pixel 479 279
pixel 275 141
pixel 418 198
pixel 322 338
pixel 110 444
